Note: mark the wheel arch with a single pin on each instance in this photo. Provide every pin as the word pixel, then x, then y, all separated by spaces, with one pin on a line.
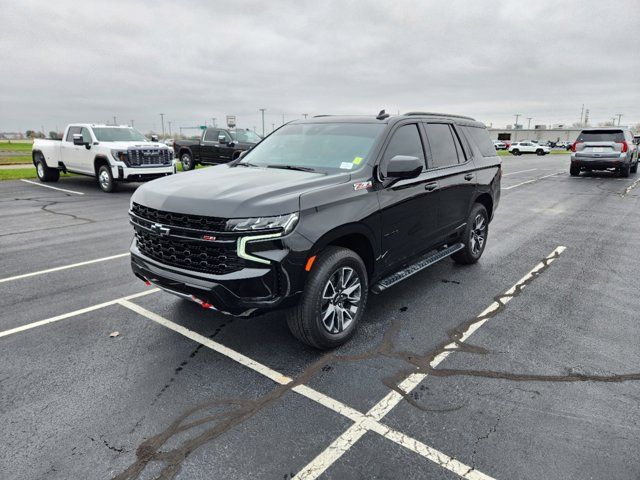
pixel 98 161
pixel 355 237
pixel 34 153
pixel 485 200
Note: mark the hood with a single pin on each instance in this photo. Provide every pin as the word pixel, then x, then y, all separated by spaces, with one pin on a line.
pixel 233 192
pixel 126 145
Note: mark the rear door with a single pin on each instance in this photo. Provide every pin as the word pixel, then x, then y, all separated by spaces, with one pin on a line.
pixel 409 208
pixel 452 167
pixel 209 146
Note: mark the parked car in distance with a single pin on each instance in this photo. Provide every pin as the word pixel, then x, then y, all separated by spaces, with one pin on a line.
pixel 636 139
pixel 499 145
pixel 518 148
pixel 216 145
pixel 110 153
pixel 317 215
pixel 604 149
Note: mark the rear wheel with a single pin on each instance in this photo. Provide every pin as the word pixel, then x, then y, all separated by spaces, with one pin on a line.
pixel 333 301
pixel 46 174
pixel 515 152
pixel 574 171
pixel 474 236
pixel 187 162
pixel 634 169
pixel 539 152
pixel 105 179
pixel 625 170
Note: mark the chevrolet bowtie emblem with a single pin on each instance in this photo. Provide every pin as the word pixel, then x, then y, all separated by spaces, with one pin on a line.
pixel 158 229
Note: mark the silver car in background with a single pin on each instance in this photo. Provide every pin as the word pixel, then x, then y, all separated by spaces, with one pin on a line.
pixel 609 148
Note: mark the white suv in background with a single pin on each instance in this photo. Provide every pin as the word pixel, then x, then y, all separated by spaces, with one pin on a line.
pixel 518 148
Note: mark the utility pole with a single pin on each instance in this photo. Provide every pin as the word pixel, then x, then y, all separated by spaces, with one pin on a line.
pixel 132 123
pixel 304 115
pixel 581 115
pixel 162 119
pixel 613 121
pixel 214 121
pixel 619 117
pixel 114 120
pixel 515 127
pixel 170 128
pixel 529 123
pixel 262 110
pixel 586 118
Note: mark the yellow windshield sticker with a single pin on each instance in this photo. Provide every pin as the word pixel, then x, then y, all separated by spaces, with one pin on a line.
pixel 357 160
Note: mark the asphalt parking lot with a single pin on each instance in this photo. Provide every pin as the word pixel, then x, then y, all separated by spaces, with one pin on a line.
pixel 525 365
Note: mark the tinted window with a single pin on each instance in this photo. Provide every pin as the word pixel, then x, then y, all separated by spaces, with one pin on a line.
pixel 601 136
pixel 443 148
pixel 480 137
pixel 118 134
pixel 72 131
pixel 405 141
pixel 86 136
pixel 211 135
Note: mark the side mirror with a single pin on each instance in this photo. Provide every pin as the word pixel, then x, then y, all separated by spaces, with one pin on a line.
pixel 402 167
pixel 78 140
pixel 154 138
pixel 222 139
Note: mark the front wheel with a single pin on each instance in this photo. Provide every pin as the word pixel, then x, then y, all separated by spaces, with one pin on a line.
pixel 105 179
pixel 474 236
pixel 540 152
pixel 515 152
pixel 187 162
pixel 333 301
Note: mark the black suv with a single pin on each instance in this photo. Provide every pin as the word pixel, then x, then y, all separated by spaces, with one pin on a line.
pixel 216 145
pixel 319 214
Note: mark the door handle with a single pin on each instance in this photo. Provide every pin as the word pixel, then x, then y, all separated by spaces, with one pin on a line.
pixel 431 186
pixel 468 176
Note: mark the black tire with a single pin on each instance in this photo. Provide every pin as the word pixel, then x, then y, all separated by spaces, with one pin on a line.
pixel 105 179
pixel 574 171
pixel 540 152
pixel 625 170
pixel 187 161
pixel 515 152
pixel 474 236
pixel 305 319
pixel 46 174
pixel 634 168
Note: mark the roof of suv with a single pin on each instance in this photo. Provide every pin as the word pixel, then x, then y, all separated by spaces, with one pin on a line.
pixel 389 119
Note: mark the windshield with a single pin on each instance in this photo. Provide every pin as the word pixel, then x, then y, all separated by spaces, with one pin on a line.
pixel 324 147
pixel 245 136
pixel 124 134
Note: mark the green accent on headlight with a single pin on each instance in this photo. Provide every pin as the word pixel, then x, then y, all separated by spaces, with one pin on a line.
pixel 242 244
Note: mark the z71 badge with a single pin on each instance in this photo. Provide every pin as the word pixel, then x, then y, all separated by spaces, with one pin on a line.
pixel 362 185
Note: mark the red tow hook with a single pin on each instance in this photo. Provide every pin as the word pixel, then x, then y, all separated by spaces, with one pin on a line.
pixel 202 303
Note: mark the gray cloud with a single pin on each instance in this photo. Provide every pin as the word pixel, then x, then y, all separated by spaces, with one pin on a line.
pixel 83 61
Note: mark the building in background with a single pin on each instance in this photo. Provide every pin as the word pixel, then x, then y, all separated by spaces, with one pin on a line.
pixel 540 133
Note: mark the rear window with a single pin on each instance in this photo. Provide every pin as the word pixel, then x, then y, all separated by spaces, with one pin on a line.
pixel 480 137
pixel 601 136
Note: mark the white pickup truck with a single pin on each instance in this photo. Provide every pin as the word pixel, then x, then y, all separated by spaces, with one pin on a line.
pixel 110 153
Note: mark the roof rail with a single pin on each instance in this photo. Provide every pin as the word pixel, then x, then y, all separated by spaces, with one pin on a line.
pixel 325 115
pixel 433 114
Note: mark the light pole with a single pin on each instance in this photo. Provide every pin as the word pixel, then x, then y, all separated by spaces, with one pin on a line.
pixel 529 123
pixel 304 115
pixel 114 120
pixel 515 127
pixel 162 119
pixel 213 119
pixel 619 117
pixel 262 110
pixel 169 127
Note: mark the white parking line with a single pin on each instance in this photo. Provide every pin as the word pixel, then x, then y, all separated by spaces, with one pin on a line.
pixel 345 441
pixel 520 171
pixel 531 181
pixel 49 186
pixel 75 313
pixel 64 267
pixel 362 422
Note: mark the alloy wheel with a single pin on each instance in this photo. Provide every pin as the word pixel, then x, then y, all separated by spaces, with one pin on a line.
pixel 104 179
pixel 478 234
pixel 40 169
pixel 341 300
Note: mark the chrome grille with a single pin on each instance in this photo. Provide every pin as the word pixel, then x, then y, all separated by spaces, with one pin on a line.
pixel 143 157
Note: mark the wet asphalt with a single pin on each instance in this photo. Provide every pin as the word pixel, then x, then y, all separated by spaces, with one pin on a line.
pixel 548 387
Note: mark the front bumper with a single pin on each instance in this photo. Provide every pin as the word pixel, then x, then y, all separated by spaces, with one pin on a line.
pixel 245 292
pixel 141 174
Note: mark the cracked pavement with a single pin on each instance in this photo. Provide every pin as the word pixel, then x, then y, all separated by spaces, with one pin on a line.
pixel 547 388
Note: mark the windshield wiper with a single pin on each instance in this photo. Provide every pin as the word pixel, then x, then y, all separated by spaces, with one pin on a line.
pixel 292 167
pixel 246 164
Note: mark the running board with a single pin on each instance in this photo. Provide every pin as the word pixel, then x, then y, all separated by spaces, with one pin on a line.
pixel 415 268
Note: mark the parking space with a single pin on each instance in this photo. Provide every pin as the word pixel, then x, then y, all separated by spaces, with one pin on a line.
pixel 521 366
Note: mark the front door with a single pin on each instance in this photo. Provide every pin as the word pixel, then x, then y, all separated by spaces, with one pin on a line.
pixel 409 208
pixel 77 157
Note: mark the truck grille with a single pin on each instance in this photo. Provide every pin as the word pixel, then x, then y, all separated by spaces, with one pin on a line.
pixel 195 256
pixel 198 222
pixel 143 157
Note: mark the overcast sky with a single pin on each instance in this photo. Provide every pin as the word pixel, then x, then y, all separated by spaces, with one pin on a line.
pixel 69 61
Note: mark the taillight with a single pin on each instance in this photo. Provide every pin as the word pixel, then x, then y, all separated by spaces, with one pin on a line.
pixel 625 146
pixel 575 144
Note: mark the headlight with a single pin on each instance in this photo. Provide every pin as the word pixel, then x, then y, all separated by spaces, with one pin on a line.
pixel 284 222
pixel 119 155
